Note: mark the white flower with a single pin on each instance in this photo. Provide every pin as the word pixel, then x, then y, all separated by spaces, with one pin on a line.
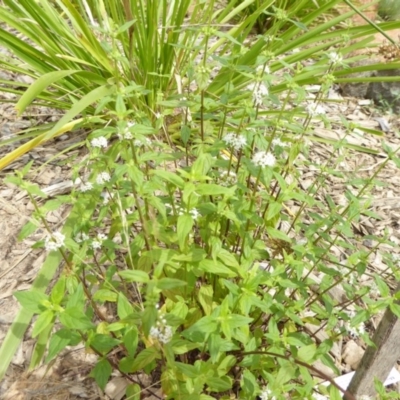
pixel 266 394
pixel 106 197
pixel 259 92
pixel 140 143
pixel 314 109
pixel 356 331
pixel 264 159
pixel 263 69
pixel 103 177
pixel 86 186
pixel 230 178
pixel 279 143
pixel 236 141
pixel 54 241
pixel 335 58
pixel 194 213
pixel 162 333
pixel 81 237
pixel 99 142
pixel 96 244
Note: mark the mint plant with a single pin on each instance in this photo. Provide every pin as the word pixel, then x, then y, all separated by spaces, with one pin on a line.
pixel 193 251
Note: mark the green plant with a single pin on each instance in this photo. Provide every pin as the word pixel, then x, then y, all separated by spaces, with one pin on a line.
pixel 389 10
pixel 204 246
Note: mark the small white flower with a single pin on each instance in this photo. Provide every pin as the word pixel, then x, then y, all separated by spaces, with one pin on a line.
pixel 314 109
pixel 259 92
pixel 96 244
pixel 162 333
pixel 279 143
pixel 263 69
pixel 264 159
pixel 54 241
pixel 106 197
pixel 230 178
pixel 236 141
pixel 103 177
pixel 86 187
pixel 99 142
pixel 101 237
pixel 356 331
pixel 81 237
pixel 194 213
pixel 140 143
pixel 266 394
pixel 335 58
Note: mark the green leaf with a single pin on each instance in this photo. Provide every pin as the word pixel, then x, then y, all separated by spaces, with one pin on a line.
pixel 395 309
pixel 286 372
pixel 228 258
pixel 130 339
pixel 103 295
pixel 219 384
pixel 188 370
pixel 150 315
pixel 205 297
pixel 181 346
pixel 75 318
pixel 205 325
pixel 170 177
pixel 92 97
pixel 133 391
pixel 144 358
pixel 334 393
pixel 169 283
pixel 276 234
pixel 124 308
pixel 307 353
pixel 31 300
pixel 274 208
pixel 103 343
pixel 101 373
pixel 215 267
pixel 58 342
pixel 42 322
pixel 211 189
pixel 38 86
pixel 58 291
pixel 134 276
pixel 183 228
pixel 27 230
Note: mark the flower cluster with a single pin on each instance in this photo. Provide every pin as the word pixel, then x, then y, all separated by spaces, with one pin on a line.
pixel 278 142
pixel 54 241
pixel 266 394
pixel 83 186
pixel 102 178
pixel 140 143
pixel 96 243
pixel 238 142
pixel 126 134
pixel 161 332
pixel 259 92
pixel 335 58
pixel 100 142
pixel 81 237
pixel 228 178
pixel 194 212
pixel 314 109
pixel 263 69
pixel 264 159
